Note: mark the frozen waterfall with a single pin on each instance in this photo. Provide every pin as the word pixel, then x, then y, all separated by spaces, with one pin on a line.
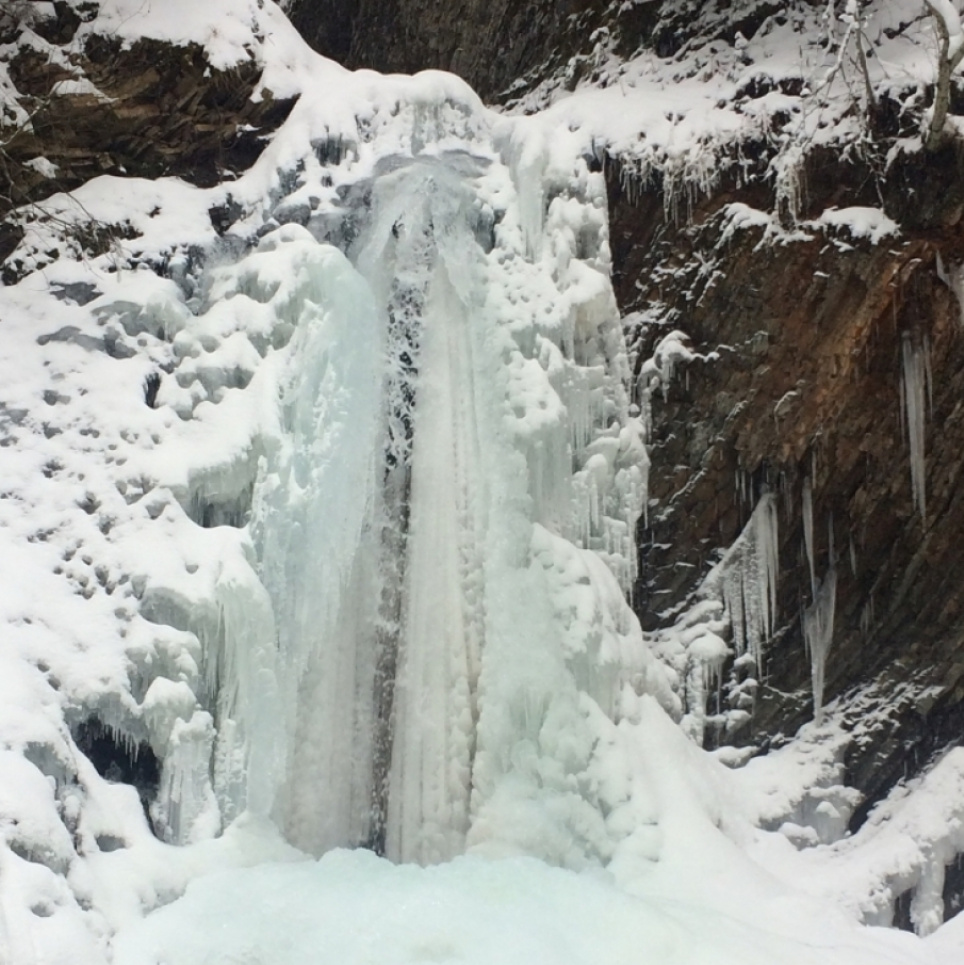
pixel 446 484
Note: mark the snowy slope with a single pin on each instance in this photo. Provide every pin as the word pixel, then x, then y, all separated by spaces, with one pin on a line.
pixel 851 77
pixel 379 430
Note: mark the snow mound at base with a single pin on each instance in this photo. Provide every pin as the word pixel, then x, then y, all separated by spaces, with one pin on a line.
pixel 353 907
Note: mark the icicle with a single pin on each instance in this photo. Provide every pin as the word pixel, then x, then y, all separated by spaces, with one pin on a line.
pixel 766 535
pixel 818 635
pixel 953 277
pixel 817 620
pixel 929 374
pixel 916 383
pixel 745 580
pixel 808 532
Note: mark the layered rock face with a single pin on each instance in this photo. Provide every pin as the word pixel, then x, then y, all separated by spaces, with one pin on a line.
pixel 147 109
pixel 804 345
pixel 504 49
pixel 500 48
pixel 405 36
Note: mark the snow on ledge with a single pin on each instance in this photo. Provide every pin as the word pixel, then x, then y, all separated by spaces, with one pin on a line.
pixel 859 222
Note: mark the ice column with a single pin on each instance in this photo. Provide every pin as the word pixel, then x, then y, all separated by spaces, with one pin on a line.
pixel 808 532
pixel 817 619
pixel 817 622
pixel 434 693
pixel 313 527
pixel 916 383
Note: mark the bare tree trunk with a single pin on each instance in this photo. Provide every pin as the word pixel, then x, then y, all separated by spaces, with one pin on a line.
pixel 946 64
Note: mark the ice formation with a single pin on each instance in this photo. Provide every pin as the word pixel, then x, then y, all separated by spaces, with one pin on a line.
pixel 745 580
pixel 808 532
pixel 368 545
pixel 915 401
pixel 443 463
pixel 953 276
pixel 817 618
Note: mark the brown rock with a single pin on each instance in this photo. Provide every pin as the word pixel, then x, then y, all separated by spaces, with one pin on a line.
pixel 809 386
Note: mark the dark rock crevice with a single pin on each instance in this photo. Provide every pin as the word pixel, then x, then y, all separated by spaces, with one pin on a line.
pixel 500 47
pixel 120 759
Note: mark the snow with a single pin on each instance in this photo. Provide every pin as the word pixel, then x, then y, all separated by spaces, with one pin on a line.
pixel 471 910
pixel 902 849
pixel 357 573
pixel 796 85
pixel 229 33
pixel 859 222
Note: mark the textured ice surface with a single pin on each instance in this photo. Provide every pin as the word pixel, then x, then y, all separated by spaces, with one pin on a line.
pixel 453 430
pixel 745 580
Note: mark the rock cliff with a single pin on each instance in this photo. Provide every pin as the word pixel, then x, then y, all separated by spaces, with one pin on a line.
pixel 93 105
pixel 796 383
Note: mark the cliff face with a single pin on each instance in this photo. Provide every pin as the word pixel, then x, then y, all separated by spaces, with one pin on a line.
pixel 501 48
pixel 801 385
pixel 505 49
pixel 405 36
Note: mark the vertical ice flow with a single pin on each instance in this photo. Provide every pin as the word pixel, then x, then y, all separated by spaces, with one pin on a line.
pixel 808 532
pixel 446 507
pixel 916 389
pixel 314 520
pixel 817 622
pixel 817 619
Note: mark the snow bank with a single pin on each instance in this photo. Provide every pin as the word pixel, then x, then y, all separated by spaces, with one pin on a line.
pixel 353 907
